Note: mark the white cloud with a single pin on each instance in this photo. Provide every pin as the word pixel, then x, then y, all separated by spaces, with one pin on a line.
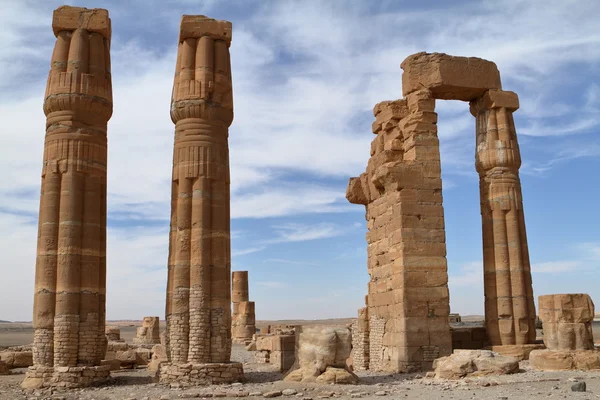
pixel 301 232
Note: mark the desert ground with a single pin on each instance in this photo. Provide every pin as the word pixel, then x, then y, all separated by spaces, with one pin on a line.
pixel 262 380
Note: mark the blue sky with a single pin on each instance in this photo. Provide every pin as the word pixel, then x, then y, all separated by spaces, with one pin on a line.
pixel 306 76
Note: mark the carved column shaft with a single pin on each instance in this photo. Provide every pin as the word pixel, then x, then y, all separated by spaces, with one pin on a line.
pixel 69 301
pixel 198 290
pixel 510 311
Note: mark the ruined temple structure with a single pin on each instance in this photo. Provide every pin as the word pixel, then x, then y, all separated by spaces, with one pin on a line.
pixel 70 278
pixel 198 308
pixel 149 332
pixel 567 332
pixel 405 325
pixel 243 319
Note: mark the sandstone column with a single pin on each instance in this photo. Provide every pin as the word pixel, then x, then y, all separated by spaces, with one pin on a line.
pixel 198 306
pixel 509 306
pixel 243 324
pixel 70 283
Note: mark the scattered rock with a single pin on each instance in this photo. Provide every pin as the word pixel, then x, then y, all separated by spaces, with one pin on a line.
pixel 578 387
pixel 273 393
pixel 289 392
pixel 381 393
pixel 474 363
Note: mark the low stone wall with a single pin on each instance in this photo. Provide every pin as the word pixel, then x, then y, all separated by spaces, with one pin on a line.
pixel 201 374
pixel 469 337
pixel 65 377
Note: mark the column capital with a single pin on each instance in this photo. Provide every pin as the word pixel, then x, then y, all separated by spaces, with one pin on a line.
pixel 495 98
pixel 67 18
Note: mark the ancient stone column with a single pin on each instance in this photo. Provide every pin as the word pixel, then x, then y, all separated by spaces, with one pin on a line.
pixel 243 320
pixel 70 279
pixel 509 306
pixel 198 306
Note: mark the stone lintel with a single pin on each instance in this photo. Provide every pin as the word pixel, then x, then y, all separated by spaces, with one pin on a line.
pixel 67 18
pixel 196 26
pixel 449 77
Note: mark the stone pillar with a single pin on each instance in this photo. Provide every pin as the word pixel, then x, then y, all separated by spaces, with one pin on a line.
pixel 198 305
pixel 408 300
pixel 509 306
pixel 70 279
pixel 243 325
pixel 360 340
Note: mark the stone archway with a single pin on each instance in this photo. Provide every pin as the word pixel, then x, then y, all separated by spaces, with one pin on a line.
pixel 404 325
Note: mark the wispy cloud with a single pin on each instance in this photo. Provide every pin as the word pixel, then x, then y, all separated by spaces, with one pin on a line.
pixel 301 232
pixel 243 252
pixel 292 262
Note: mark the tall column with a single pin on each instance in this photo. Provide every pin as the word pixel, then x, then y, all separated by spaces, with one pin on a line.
pixel 509 306
pixel 198 289
pixel 70 279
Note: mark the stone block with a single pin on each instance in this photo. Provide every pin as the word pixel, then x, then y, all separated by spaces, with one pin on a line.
pixel 449 77
pixel 67 18
pixel 196 26
pixel 567 321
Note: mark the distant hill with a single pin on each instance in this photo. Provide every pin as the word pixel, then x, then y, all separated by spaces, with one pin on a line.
pixel 3 321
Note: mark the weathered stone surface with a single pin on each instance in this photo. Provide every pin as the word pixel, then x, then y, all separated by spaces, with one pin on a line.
pixel 319 348
pixel 190 374
pixel 70 280
pixel 567 321
pixel 337 375
pixel 520 352
pixel 159 356
pixel 464 363
pixel 113 334
pixel 4 368
pixel 149 332
pixel 17 359
pixel 449 77
pixel 556 360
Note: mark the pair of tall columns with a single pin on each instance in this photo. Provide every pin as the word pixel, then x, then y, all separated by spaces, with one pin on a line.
pixel 70 278
pixel 509 306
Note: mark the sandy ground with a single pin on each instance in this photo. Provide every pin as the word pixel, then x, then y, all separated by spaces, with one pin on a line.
pixel 138 384
pixel 261 378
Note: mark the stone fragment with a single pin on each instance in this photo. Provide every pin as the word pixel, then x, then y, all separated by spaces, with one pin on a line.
pixel 567 321
pixel 578 387
pixel 320 348
pixel 149 332
pixel 272 393
pixel 463 363
pixel 289 392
